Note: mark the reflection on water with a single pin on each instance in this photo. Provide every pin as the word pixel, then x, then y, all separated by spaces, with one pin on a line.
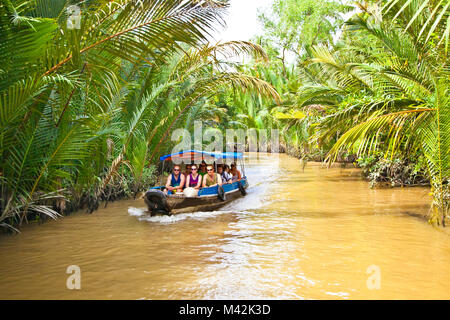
pixel 298 234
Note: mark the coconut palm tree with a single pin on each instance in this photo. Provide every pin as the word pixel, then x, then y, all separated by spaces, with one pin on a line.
pixel 59 85
pixel 386 90
pixel 424 20
pixel 84 98
pixel 175 95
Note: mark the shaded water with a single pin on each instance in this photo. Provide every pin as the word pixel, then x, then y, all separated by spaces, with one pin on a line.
pixel 308 234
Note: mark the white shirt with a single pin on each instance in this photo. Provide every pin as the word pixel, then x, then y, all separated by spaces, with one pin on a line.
pixel 226 176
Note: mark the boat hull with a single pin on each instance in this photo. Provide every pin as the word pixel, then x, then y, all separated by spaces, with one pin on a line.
pixel 207 200
pixel 179 204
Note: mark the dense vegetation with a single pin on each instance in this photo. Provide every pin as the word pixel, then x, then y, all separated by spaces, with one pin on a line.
pixel 376 91
pixel 85 111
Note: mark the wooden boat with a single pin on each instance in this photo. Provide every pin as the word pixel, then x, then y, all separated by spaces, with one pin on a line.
pixel 208 199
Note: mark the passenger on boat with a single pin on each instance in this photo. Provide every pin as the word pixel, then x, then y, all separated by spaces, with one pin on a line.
pixel 224 174
pixel 203 171
pixel 175 181
pixel 211 179
pixel 194 180
pixel 236 174
pixel 187 170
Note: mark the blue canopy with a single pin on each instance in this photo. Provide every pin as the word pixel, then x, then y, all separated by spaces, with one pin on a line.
pixel 202 155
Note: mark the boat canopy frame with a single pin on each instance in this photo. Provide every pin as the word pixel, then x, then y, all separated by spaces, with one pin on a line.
pixel 199 156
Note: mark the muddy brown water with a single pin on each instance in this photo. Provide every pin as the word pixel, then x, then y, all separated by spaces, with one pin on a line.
pixel 313 234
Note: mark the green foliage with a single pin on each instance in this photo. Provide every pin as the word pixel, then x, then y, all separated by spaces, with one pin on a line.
pixel 85 113
pixel 381 89
pixel 427 19
pixel 297 25
pixel 397 172
pixel 390 96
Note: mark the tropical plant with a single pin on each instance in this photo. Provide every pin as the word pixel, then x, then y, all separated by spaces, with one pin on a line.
pixel 78 92
pixel 426 20
pixel 389 95
pixel 296 25
pixel 175 95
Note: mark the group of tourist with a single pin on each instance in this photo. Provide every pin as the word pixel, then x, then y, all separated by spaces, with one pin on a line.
pixel 202 176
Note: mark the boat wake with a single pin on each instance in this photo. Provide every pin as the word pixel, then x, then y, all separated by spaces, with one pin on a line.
pixel 142 215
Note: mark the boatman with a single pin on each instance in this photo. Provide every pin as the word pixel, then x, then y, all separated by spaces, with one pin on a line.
pixel 175 181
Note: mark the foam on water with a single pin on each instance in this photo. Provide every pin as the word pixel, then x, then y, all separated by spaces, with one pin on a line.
pixel 136 212
pixel 143 216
